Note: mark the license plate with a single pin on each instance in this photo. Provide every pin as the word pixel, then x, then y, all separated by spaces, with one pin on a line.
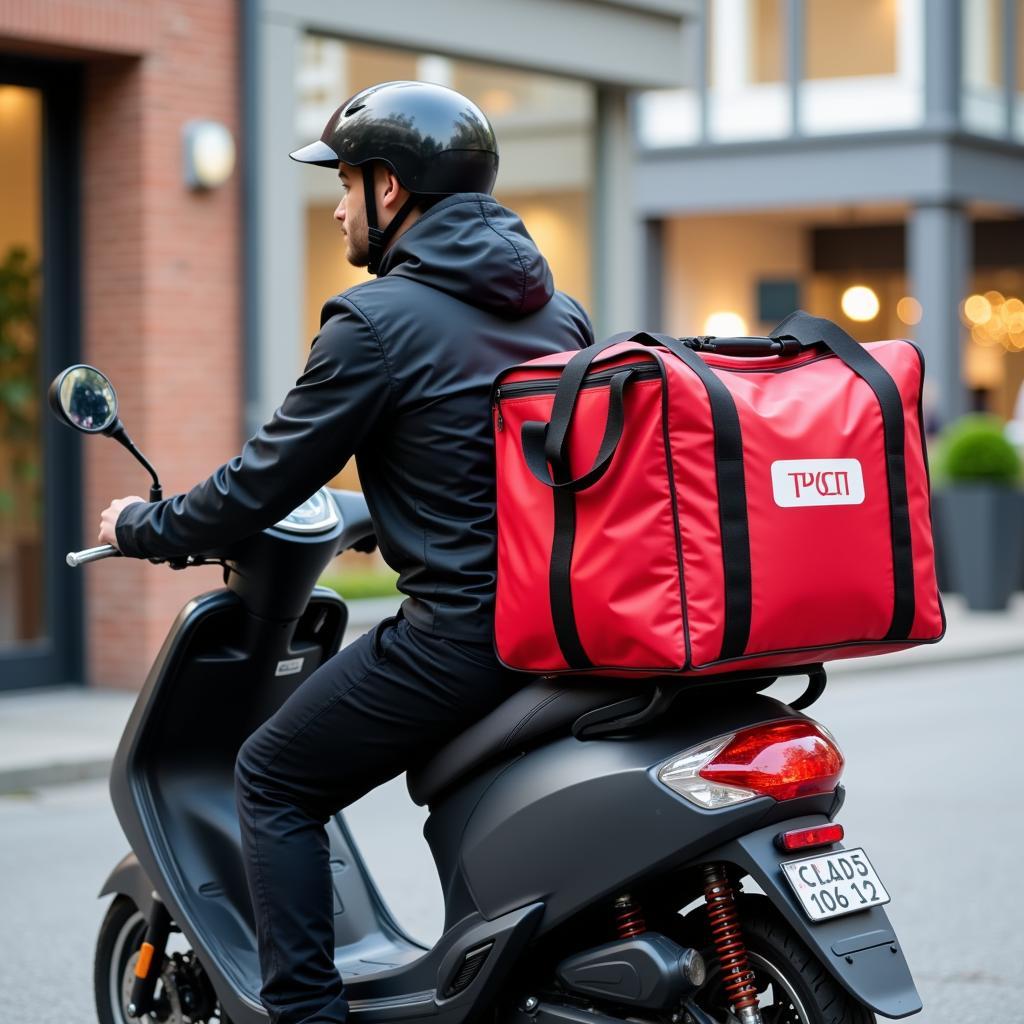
pixel 833 884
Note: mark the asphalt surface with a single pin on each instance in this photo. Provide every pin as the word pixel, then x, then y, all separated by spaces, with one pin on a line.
pixel 934 781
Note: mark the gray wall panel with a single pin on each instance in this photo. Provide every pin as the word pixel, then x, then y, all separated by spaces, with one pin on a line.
pixel 280 226
pixel 939 270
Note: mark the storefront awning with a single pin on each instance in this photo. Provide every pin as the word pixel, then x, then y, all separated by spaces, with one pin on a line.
pixel 629 43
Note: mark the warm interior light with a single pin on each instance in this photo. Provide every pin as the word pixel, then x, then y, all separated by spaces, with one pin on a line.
pixel 860 302
pixel 977 309
pixel 498 102
pixel 908 309
pixel 725 324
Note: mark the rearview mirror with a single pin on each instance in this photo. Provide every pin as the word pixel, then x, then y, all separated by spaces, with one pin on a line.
pixel 84 399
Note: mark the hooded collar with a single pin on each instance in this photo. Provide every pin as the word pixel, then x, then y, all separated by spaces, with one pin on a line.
pixel 476 250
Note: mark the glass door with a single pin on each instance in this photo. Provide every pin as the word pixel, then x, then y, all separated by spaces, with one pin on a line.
pixel 22 579
pixel 39 607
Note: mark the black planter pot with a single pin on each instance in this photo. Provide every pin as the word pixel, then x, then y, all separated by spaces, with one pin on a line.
pixel 942 575
pixel 981 533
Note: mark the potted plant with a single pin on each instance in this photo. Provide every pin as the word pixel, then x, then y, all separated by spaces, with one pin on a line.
pixel 980 514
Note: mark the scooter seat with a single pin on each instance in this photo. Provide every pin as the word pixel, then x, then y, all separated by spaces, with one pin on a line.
pixel 538 711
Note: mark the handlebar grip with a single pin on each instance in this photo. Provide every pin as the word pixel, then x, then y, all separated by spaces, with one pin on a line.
pixel 77 558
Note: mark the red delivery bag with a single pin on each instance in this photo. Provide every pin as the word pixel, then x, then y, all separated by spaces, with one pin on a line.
pixel 706 505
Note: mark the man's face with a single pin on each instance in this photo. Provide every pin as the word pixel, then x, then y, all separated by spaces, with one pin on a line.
pixel 351 216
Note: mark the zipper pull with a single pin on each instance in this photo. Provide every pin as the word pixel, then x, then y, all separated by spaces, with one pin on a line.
pixel 497 406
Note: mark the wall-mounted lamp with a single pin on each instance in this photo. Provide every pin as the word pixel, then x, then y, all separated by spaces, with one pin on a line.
pixel 209 154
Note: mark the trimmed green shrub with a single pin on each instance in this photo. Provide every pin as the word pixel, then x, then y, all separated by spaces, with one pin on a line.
pixel 974 449
pixel 360 583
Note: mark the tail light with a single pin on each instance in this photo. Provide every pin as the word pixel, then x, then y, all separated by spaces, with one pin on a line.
pixel 784 760
pixel 810 838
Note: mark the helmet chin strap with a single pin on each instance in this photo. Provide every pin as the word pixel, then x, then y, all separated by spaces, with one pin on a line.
pixel 378 240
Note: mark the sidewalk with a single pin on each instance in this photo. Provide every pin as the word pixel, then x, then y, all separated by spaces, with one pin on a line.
pixel 70 733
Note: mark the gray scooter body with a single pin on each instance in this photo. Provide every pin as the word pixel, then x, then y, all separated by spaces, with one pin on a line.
pixel 529 844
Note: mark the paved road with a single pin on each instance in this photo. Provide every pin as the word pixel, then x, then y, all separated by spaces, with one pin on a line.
pixel 934 778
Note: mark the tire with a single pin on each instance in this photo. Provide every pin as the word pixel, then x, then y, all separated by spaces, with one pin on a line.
pixel 795 987
pixel 120 935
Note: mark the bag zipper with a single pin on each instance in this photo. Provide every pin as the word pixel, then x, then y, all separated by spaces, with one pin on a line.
pixel 644 371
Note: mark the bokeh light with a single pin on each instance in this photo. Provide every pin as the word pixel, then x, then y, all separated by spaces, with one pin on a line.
pixel 725 324
pixel 908 309
pixel 995 320
pixel 860 303
pixel 977 309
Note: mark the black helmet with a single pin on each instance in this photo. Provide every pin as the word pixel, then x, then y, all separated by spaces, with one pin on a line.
pixel 434 139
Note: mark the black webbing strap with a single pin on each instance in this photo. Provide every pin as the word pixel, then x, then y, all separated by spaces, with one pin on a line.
pixel 377 240
pixel 545 443
pixel 811 330
pixel 563 615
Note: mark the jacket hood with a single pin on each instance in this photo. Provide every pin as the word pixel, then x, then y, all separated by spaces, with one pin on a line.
pixel 475 249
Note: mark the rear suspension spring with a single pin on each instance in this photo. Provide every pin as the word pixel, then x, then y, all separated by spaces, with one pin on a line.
pixel 737 977
pixel 629 917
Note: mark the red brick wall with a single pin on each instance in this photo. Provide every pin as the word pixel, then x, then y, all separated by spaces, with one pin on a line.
pixel 161 278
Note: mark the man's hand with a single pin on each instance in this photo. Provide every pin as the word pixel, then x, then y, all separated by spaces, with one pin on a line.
pixel 108 518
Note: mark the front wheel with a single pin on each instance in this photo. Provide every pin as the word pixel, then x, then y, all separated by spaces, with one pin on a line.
pixel 793 986
pixel 183 993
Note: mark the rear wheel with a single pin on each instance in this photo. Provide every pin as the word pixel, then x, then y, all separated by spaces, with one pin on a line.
pixel 793 986
pixel 183 993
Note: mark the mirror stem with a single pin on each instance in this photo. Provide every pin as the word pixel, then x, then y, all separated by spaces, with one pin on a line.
pixel 120 435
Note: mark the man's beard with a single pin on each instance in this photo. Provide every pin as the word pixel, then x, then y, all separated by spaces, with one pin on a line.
pixel 357 255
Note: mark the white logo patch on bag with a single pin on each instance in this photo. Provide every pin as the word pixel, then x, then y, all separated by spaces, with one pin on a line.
pixel 799 483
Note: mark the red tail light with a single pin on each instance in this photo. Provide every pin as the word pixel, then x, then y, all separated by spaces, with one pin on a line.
pixel 783 760
pixel 808 838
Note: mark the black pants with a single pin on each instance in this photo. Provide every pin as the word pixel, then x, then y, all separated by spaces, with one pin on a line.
pixel 383 703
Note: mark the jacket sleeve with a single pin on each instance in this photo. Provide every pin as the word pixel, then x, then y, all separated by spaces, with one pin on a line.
pixel 344 391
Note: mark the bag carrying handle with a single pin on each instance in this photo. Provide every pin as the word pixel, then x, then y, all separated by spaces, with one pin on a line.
pixel 534 436
pixel 545 443
pixel 755 346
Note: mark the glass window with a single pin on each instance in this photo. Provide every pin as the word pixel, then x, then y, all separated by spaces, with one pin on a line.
pixel 748 96
pixel 993 315
pixel 671 117
pixel 844 40
pixel 863 65
pixel 21 451
pixel 983 98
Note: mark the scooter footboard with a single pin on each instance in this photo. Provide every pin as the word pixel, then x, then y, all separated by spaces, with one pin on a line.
pixel 859 949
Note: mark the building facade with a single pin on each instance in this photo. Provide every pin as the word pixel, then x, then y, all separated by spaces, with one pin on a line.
pixel 109 258
pixel 200 304
pixel 864 161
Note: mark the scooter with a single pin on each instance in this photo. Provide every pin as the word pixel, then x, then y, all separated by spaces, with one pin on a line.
pixel 608 850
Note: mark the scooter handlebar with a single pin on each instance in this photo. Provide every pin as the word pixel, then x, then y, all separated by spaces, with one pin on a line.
pixel 77 558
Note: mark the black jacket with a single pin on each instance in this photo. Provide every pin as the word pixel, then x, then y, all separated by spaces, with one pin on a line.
pixel 400 376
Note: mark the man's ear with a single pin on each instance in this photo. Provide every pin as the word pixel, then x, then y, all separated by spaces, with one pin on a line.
pixel 390 194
